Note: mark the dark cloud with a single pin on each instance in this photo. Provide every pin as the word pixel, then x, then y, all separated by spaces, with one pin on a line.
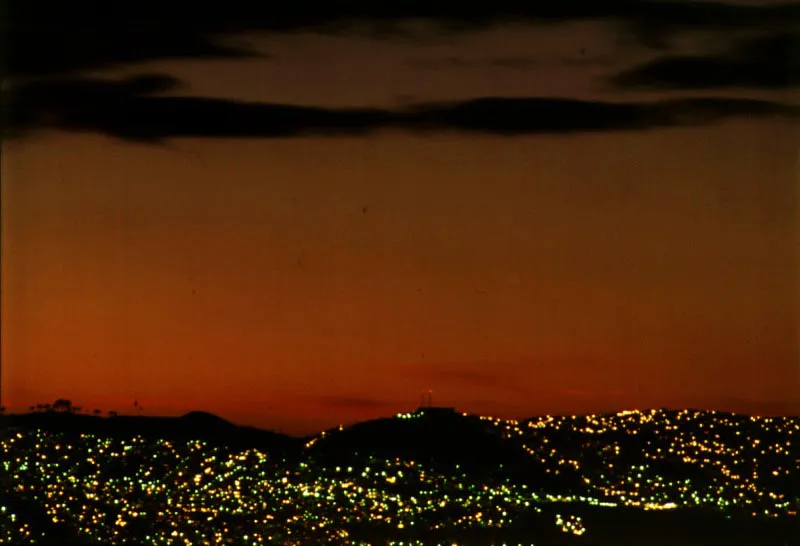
pixel 74 103
pixel 653 23
pixel 133 109
pixel 46 37
pixel 49 37
pixel 770 62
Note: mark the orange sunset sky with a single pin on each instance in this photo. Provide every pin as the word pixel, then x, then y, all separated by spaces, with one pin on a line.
pixel 298 281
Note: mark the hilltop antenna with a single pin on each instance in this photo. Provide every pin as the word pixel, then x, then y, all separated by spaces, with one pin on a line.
pixel 430 398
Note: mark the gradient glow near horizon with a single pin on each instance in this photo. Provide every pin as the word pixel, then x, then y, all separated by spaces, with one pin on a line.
pixel 303 282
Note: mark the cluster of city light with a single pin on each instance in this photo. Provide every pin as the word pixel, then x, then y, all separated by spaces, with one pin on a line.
pixel 728 461
pixel 163 492
pixel 149 491
pixel 570 524
pixel 15 531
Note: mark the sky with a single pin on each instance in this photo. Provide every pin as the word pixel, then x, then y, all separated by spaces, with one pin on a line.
pixel 300 220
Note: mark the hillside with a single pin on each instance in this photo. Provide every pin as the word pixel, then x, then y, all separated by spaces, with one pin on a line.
pixel 663 477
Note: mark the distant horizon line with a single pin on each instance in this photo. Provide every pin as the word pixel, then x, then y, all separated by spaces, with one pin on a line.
pixel 108 415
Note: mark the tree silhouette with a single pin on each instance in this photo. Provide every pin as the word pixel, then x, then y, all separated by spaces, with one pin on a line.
pixel 63 405
pixel 97 412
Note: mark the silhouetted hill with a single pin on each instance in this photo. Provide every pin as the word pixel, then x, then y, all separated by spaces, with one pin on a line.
pixel 442 438
pixel 449 441
pixel 203 418
pixel 195 425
